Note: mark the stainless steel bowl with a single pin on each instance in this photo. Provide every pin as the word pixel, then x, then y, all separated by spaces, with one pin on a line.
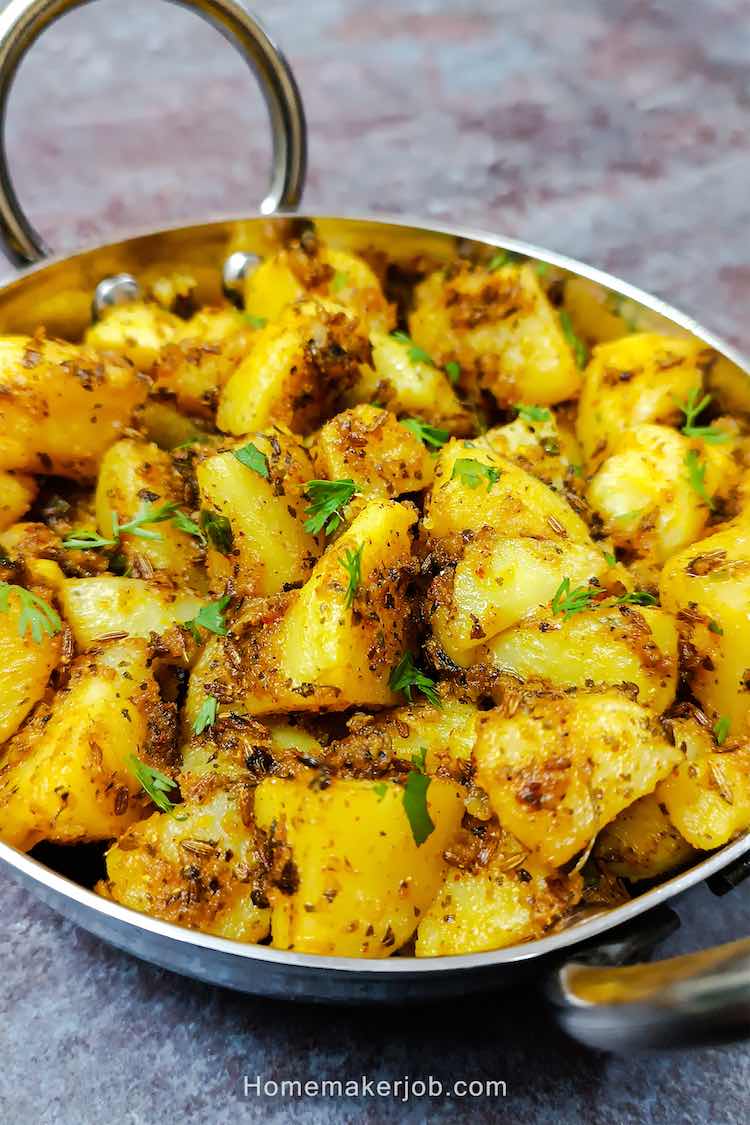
pixel 695 998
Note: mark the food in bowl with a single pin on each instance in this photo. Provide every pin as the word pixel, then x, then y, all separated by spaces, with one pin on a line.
pixel 400 611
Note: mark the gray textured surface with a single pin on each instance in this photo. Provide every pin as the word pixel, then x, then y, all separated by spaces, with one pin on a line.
pixel 616 131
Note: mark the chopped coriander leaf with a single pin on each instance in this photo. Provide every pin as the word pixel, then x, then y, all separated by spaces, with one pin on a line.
pixel 340 281
pixel 156 783
pixel 416 354
pixel 328 498
pixel 541 269
pixel 85 540
pixel 691 408
pixel 430 435
pixel 211 617
pixel 631 515
pixel 255 321
pixel 568 602
pixel 415 806
pixel 721 729
pixel 146 514
pixel 473 473
pixel 419 759
pixel 37 617
pixel 380 788
pixel 503 258
pixel 610 558
pixel 637 597
pixel 533 413
pixel 206 716
pixel 352 564
pixel 579 349
pixel 218 531
pixel 453 371
pixel 190 527
pixel 715 627
pixel 252 458
pixel 406 676
pixel 697 477
pixel 197 439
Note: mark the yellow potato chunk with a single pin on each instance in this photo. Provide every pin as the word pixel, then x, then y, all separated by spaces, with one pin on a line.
pixel 369 446
pixel 466 498
pixel 298 367
pixel 515 898
pixel 321 271
pixel 202 358
pixel 66 776
pixel 354 882
pixel 544 448
pixel 599 315
pixel 137 330
pixel 25 665
pixel 634 380
pixel 134 477
pixel 270 548
pixel 313 650
pixel 563 766
pixel 707 587
pixel 502 330
pixel 615 645
pixel 96 607
pixel 406 384
pixel 17 494
pixel 641 842
pixel 61 406
pixel 198 868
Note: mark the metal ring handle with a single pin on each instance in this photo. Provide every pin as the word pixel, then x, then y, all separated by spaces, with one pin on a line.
pixel 23 21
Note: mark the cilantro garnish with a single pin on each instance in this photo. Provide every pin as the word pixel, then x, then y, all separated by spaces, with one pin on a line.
pixel 721 729
pixel 569 602
pixel 352 564
pixel 218 531
pixel 37 617
pixel 415 800
pixel 715 627
pixel 252 458
pixel 416 354
pixel 579 349
pixel 210 617
pixel 691 408
pixel 453 371
pixel 503 258
pixel 206 716
pixel 190 527
pixel 430 435
pixel 156 783
pixel 380 788
pixel 637 597
pixel 473 473
pixel 146 514
pixel 533 413
pixel 697 477
pixel 255 321
pixel 406 676
pixel 328 498
pixel 340 281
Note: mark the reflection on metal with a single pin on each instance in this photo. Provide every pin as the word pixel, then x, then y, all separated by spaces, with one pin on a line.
pixel 118 290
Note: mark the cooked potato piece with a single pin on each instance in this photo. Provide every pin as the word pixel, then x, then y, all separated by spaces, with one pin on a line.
pixel 298 367
pixel 654 493
pixel 319 271
pixel 564 765
pixel 136 477
pixel 634 380
pixel 369 446
pixel 312 650
pixel 729 385
pixel 163 423
pixel 352 880
pixel 707 587
pixel 17 494
pixel 137 330
pixel 202 358
pixel 26 661
pixel 270 549
pixel 96 607
pixel 641 842
pixel 598 315
pixel 499 581
pixel 541 447
pixel 608 645
pixel 514 898
pixel 502 330
pixel 474 488
pixel 198 868
pixel 45 381
pixel 66 776
pixel 406 384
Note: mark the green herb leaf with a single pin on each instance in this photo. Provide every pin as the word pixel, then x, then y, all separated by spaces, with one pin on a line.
pixel 328 498
pixel 453 371
pixel 252 458
pixel 721 729
pixel 206 716
pixel 406 676
pixel 156 783
pixel 473 473
pixel 85 540
pixel 146 514
pixel 541 269
pixel 380 788
pixel 503 258
pixel 255 321
pixel 416 354
pixel 419 759
pixel 697 477
pixel 197 439
pixel 218 531
pixel 610 558
pixel 340 281
pixel 637 597
pixel 210 617
pixel 567 601
pixel 352 564
pixel 614 303
pixel 415 806
pixel 691 408
pixel 579 349
pixel 430 435
pixel 190 527
pixel 715 627
pixel 533 413
pixel 36 617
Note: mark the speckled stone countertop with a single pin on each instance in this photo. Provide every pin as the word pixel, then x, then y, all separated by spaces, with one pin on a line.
pixel 614 130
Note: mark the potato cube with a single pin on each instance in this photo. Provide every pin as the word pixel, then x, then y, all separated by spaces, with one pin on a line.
pixel 96 607
pixel 641 842
pixel 25 665
pixel 369 446
pixel 137 330
pixel 17 494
